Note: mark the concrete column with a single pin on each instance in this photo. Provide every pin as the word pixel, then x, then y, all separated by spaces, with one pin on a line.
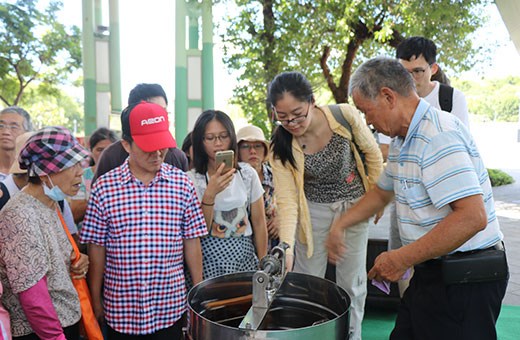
pixel 181 73
pixel 115 57
pixel 98 13
pixel 208 101
pixel 89 66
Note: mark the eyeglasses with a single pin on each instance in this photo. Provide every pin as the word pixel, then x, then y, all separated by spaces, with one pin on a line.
pixel 213 138
pixel 296 120
pixel 13 127
pixel 256 146
pixel 418 72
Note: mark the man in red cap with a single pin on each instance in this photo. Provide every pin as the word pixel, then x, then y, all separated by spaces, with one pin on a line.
pixel 114 155
pixel 143 220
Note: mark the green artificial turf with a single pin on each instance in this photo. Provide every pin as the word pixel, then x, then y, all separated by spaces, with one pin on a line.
pixel 379 322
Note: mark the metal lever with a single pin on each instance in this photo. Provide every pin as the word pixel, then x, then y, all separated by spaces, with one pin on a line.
pixel 266 283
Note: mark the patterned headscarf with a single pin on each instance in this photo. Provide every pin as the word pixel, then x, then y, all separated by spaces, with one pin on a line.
pixel 51 150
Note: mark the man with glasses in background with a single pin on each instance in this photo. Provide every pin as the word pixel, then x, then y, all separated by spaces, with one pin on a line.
pixel 419 56
pixel 13 122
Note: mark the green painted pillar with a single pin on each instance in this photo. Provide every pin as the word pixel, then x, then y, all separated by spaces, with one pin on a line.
pixel 89 67
pixel 208 97
pixel 193 32
pixel 115 57
pixel 181 73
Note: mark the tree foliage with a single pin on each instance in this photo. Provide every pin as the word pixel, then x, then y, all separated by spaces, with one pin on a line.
pixel 327 39
pixel 493 99
pixel 35 47
pixel 51 109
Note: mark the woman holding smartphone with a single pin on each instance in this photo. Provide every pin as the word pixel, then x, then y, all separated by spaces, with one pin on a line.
pixel 232 199
pixel 318 174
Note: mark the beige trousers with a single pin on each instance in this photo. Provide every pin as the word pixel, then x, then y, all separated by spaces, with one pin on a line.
pixel 351 272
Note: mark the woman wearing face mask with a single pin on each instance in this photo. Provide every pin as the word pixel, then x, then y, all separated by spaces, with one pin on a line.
pixel 231 200
pixel 35 265
pixel 318 174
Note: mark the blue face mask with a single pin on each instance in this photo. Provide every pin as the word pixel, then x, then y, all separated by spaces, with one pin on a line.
pixel 54 193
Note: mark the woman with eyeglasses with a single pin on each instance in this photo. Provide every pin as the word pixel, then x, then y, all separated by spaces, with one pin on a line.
pixel 232 200
pixel 253 149
pixel 318 174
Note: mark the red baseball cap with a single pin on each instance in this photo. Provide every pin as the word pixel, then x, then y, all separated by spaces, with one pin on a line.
pixel 147 124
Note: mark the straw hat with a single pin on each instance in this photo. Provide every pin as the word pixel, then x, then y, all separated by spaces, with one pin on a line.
pixel 20 142
pixel 251 133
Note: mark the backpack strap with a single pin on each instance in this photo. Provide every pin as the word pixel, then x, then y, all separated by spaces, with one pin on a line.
pixel 446 97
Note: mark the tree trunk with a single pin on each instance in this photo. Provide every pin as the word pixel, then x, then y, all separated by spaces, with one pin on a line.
pixel 271 64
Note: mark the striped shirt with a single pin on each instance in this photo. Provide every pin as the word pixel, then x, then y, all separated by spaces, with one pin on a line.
pixel 436 164
pixel 142 229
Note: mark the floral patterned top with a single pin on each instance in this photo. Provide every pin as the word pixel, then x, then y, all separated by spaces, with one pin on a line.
pixel 34 245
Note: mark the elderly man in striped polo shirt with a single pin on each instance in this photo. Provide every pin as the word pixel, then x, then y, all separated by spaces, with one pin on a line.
pixel 445 212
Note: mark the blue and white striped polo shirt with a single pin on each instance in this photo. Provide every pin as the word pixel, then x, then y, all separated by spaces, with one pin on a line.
pixel 435 164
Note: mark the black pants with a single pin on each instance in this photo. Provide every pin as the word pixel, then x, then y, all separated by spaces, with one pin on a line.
pixel 173 332
pixel 433 310
pixel 71 333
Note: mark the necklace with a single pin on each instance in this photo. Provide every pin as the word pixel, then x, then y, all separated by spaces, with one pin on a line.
pixel 303 145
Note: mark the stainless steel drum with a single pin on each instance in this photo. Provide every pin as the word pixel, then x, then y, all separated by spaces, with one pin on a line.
pixel 304 307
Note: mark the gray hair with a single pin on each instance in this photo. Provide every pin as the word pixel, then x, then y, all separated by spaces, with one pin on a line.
pixel 27 124
pixel 380 72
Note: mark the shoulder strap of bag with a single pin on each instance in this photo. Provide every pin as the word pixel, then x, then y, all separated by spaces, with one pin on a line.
pixel 446 97
pixel 89 324
pixel 71 240
pixel 336 112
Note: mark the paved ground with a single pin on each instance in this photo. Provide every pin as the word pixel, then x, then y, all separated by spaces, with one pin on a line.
pixel 499 145
pixel 507 205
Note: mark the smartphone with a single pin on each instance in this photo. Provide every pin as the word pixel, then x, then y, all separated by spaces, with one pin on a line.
pixel 227 157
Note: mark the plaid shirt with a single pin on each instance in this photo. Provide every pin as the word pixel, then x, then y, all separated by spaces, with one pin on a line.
pixel 142 229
